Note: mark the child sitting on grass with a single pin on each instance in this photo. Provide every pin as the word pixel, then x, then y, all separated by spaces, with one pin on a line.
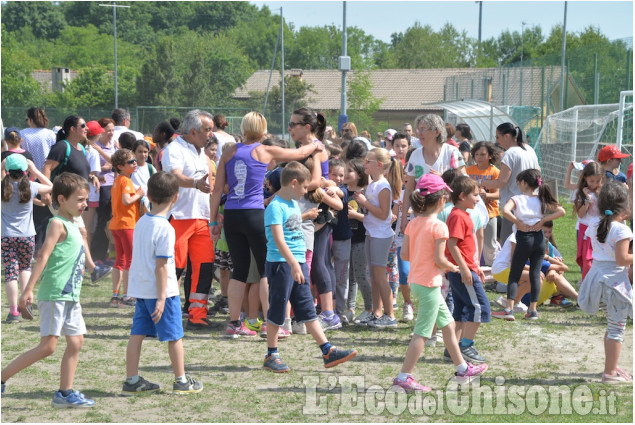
pixel 287 271
pixel 61 266
pixel 153 283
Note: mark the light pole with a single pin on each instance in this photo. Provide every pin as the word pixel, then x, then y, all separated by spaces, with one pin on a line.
pixel 114 24
pixel 522 42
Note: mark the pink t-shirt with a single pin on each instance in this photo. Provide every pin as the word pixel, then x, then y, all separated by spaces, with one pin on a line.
pixel 423 233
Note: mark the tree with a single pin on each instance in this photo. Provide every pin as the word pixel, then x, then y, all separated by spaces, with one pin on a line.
pixel 45 19
pixel 361 102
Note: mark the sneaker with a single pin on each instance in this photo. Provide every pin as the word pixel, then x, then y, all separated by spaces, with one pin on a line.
pixel 343 319
pixel 504 314
pixel 470 354
pixel 287 326
pixel 190 386
pixel 383 322
pixel 275 364
pixel 350 316
pixel 501 301
pixel 220 306
pixel 408 315
pixel 99 272
pixel 282 333
pixel 142 386
pixel 128 301
pixel 566 303
pixel 114 302
pixel 11 318
pixel 256 327
pixel 74 400
pixel 531 315
pixel 26 312
pixel 471 372
pixel 197 324
pixel 409 385
pixel 109 262
pixel 330 324
pixel 520 307
pixel 431 342
pixel 364 318
pixel 236 332
pixel 446 356
pixel 298 328
pixel 335 356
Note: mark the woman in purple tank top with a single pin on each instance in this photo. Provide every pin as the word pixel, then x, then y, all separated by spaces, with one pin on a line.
pixel 243 168
pixel 306 127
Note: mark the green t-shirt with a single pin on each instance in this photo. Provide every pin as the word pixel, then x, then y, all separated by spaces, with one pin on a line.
pixel 62 278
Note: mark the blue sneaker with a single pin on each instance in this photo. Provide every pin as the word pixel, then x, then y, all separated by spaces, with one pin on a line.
pixel 74 400
pixel 99 272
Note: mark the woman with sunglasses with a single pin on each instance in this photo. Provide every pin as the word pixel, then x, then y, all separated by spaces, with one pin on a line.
pixel 243 168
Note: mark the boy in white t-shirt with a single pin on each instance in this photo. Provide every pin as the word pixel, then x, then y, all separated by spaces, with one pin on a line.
pixel 153 283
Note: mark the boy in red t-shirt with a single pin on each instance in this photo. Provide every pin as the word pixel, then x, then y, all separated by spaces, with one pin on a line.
pixel 125 213
pixel 471 305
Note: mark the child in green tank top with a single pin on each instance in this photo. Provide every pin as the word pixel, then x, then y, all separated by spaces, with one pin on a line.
pixel 62 270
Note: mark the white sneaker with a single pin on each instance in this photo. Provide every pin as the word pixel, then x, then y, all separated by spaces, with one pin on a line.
pixel 431 342
pixel 501 301
pixel 407 312
pixel 364 318
pixel 298 328
pixel 519 307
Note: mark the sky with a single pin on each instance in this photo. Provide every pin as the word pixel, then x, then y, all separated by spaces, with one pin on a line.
pixel 382 18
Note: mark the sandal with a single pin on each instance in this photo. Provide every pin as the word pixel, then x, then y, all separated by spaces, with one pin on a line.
pixel 615 379
pixel 27 312
pixel 621 372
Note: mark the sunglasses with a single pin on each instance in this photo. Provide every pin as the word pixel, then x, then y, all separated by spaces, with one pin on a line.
pixel 81 125
pixel 131 161
pixel 293 124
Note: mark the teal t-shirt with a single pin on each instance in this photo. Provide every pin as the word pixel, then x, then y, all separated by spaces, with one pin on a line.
pixel 474 215
pixel 288 214
pixel 64 272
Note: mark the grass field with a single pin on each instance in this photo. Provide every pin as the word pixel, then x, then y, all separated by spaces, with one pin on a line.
pixel 543 371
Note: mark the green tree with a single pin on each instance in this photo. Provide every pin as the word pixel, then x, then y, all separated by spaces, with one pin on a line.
pixel 44 19
pixel 361 102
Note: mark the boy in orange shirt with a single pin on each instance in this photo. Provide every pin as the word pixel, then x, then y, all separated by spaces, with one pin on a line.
pixel 125 213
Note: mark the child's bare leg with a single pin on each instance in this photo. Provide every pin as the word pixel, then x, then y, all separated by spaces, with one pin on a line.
pixel 124 278
pixel 405 292
pixel 177 357
pixel 564 287
pixel 469 330
pixel 116 280
pixel 11 289
pixel 253 298
pixel 272 335
pixel 224 281
pixel 314 328
pixel 69 360
pixel 44 349
pixel 133 353
pixel 415 348
pixel 451 343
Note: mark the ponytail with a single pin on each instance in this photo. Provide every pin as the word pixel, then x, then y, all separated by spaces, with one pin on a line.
pixel 547 200
pixel 514 130
pixel 24 186
pixel 612 200
pixel 519 138
pixel 320 128
pixel 394 177
pixel 70 121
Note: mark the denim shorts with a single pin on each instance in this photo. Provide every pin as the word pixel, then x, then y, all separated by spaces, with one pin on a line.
pixel 282 289
pixel 169 328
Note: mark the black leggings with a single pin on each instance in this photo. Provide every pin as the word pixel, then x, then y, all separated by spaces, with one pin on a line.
pixel 322 271
pixel 245 231
pixel 529 246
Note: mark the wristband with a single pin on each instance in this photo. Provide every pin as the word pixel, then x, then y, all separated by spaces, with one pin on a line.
pixel 213 223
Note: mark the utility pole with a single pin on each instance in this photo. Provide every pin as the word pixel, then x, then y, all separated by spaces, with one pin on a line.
pixel 344 65
pixel 564 49
pixel 114 24
pixel 480 21
pixel 282 124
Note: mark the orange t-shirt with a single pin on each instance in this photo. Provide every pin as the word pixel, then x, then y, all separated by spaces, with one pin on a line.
pixel 123 216
pixel 423 233
pixel 490 173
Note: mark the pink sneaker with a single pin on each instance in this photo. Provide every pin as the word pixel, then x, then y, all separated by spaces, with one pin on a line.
pixel 236 332
pixel 471 372
pixel 282 334
pixel 409 385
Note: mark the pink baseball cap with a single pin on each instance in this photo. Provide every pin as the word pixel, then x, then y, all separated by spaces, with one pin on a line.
pixel 431 183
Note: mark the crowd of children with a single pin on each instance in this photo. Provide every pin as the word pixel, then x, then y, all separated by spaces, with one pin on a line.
pixel 329 228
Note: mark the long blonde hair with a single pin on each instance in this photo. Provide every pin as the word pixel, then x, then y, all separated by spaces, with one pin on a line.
pixel 392 170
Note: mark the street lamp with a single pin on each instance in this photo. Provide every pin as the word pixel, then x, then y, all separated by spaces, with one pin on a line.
pixel 114 24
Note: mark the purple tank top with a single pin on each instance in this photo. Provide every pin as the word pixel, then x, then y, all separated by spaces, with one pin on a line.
pixel 245 176
pixel 324 165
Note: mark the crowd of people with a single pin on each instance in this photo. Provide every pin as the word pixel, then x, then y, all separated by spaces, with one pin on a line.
pixel 293 233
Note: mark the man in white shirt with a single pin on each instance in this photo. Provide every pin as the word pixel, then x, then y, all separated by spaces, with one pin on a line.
pixel 186 159
pixel 121 117
pixel 414 141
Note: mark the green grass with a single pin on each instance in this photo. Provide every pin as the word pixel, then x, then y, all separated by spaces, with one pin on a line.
pixel 564 348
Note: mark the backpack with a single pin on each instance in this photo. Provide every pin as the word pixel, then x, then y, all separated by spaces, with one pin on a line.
pixel 58 169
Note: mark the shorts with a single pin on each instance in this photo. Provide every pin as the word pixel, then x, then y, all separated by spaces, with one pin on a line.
pixel 169 328
pixel 470 302
pixel 17 253
pixel 283 289
pixel 59 318
pixel 432 310
pixel 223 260
pixel 377 250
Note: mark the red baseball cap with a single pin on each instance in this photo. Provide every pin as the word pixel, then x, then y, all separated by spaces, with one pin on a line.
pixel 94 128
pixel 610 152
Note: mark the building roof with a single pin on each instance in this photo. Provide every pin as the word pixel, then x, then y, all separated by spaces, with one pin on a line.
pixel 409 89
